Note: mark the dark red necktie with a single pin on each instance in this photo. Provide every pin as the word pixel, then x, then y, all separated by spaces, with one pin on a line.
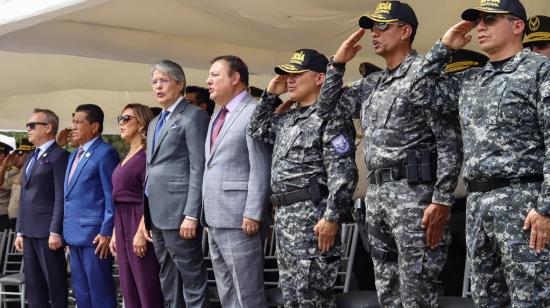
pixel 218 126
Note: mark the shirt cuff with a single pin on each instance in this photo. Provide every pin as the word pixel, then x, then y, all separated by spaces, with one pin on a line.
pixel 191 218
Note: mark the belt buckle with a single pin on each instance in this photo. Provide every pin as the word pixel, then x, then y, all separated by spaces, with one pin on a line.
pixel 386 175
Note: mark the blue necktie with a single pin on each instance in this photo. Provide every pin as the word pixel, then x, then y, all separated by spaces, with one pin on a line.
pixel 33 161
pixel 160 124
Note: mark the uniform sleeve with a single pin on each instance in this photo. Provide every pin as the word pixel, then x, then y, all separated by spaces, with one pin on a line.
pixel 543 204
pixel 264 122
pixel 442 117
pixel 337 102
pixel 339 161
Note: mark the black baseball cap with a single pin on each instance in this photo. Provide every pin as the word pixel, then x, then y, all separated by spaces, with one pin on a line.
pixel 304 60
pixel 538 30
pixel 390 11
pixel 367 68
pixel 464 59
pixel 513 7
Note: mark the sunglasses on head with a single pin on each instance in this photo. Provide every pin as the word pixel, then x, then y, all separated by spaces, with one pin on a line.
pixel 383 26
pixel 32 125
pixel 491 18
pixel 124 118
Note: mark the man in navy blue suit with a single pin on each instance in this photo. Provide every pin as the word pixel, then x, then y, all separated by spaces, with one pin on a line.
pixel 40 216
pixel 88 220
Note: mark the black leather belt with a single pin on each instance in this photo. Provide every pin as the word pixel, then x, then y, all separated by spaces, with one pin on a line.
pixel 287 198
pixel 496 183
pixel 384 175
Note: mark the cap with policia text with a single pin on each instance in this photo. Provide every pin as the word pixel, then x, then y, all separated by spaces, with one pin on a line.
pixel 367 68
pixel 538 30
pixel 513 7
pixel 304 60
pixel 464 59
pixel 24 147
pixel 390 11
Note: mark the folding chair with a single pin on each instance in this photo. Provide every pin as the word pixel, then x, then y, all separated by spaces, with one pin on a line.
pixel 13 271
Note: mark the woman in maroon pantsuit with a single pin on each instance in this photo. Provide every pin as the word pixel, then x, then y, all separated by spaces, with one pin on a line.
pixel 137 262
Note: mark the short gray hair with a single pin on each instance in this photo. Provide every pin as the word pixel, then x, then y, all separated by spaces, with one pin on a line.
pixel 171 68
pixel 51 118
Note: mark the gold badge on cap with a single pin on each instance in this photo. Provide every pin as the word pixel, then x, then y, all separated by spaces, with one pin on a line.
pixel 298 58
pixel 534 23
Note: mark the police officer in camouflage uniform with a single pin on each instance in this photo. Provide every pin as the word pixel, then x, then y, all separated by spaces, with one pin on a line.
pixel 412 151
pixel 505 117
pixel 313 177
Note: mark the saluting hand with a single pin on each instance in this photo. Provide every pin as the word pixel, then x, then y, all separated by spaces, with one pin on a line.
pixel 326 234
pixel 458 35
pixel 349 48
pixel 277 85
pixel 102 246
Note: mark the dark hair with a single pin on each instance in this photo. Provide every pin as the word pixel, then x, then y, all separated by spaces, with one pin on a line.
pixel 155 110
pixel 51 118
pixel 94 114
pixel 202 96
pixel 236 65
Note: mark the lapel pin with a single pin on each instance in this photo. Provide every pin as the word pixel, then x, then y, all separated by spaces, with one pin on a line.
pixel 45 154
pixel 87 155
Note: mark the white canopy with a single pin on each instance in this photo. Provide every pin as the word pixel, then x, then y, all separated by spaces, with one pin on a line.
pixel 61 53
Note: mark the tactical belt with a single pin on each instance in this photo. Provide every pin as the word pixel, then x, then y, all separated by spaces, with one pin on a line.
pixel 385 238
pixel 379 176
pixel 496 183
pixel 288 198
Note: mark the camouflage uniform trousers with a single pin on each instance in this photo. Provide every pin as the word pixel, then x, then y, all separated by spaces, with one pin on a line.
pixel 396 208
pixel 504 270
pixel 306 276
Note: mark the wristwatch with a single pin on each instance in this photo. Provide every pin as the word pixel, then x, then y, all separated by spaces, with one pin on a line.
pixel 336 64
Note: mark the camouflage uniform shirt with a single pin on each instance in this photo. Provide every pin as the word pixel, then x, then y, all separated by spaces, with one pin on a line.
pixel 505 117
pixel 304 146
pixel 399 111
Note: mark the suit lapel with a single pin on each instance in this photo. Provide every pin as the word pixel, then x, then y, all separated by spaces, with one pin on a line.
pixel 40 159
pixel 234 115
pixel 24 177
pixel 175 115
pixel 151 136
pixel 87 156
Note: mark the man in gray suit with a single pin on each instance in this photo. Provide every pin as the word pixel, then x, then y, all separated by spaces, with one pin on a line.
pixel 236 187
pixel 175 166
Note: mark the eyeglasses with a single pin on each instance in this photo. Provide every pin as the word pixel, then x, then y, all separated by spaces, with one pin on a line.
pixel 491 19
pixel 540 45
pixel 160 82
pixel 383 26
pixel 124 118
pixel 32 125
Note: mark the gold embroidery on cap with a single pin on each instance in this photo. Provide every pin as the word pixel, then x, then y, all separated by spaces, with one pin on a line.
pixel 534 23
pixel 494 3
pixel 383 8
pixel 298 57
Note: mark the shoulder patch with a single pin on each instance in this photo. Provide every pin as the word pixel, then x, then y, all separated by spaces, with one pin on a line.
pixel 340 144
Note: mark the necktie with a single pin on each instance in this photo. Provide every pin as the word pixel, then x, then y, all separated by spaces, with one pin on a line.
pixel 75 162
pixel 33 161
pixel 160 124
pixel 218 125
